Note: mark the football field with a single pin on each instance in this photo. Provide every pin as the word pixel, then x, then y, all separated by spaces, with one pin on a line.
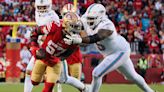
pixel 66 88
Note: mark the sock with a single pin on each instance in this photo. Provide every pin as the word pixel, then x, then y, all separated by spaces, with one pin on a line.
pixel 75 83
pixel 27 84
pixel 48 87
pixel 96 83
pixel 59 87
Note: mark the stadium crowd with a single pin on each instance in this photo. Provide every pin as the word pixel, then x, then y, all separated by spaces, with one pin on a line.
pixel 141 22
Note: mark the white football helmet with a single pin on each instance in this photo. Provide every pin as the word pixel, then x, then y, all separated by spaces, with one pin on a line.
pixel 94 14
pixel 43 6
pixel 68 8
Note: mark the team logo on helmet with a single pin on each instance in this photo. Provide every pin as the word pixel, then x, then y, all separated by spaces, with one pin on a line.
pixel 72 23
pixel 67 8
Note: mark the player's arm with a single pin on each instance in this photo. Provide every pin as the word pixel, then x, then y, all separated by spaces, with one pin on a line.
pixel 38 52
pixel 34 43
pixel 101 35
pixel 77 39
pixel 34 37
pixel 105 31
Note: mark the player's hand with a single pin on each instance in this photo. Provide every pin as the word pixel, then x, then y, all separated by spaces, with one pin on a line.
pixel 40 54
pixel 73 39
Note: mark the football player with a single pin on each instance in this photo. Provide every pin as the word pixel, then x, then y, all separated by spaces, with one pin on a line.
pixel 52 47
pixel 74 61
pixel 43 15
pixel 116 50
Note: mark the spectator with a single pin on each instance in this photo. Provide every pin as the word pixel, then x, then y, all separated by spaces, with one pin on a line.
pixel 2 42
pixel 129 7
pixel 162 24
pixel 21 66
pixel 158 5
pixel 153 42
pixel 142 66
pixel 122 29
pixel 130 35
pixel 139 37
pixel 24 34
pixel 154 60
pixel 161 33
pixel 162 74
pixel 145 22
pixel 120 15
pixel 2 70
pixel 25 55
pixel 131 23
pixel 1 67
pixel 138 4
pixel 10 11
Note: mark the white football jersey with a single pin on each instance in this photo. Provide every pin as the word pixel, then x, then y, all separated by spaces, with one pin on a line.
pixel 113 43
pixel 45 18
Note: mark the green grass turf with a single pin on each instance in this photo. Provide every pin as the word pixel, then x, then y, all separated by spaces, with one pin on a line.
pixel 66 88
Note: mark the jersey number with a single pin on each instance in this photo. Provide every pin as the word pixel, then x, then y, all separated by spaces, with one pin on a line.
pixel 54 49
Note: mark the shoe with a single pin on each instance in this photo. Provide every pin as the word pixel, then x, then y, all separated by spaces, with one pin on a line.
pixel 86 89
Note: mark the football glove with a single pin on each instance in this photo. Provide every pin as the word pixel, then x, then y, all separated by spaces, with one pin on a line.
pixel 73 39
pixel 40 54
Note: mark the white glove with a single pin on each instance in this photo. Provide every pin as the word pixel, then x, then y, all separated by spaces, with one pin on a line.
pixel 73 39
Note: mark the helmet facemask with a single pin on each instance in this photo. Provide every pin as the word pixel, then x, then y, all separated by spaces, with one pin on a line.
pixel 94 14
pixel 76 27
pixel 92 21
pixel 43 6
pixel 71 23
pixel 43 9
